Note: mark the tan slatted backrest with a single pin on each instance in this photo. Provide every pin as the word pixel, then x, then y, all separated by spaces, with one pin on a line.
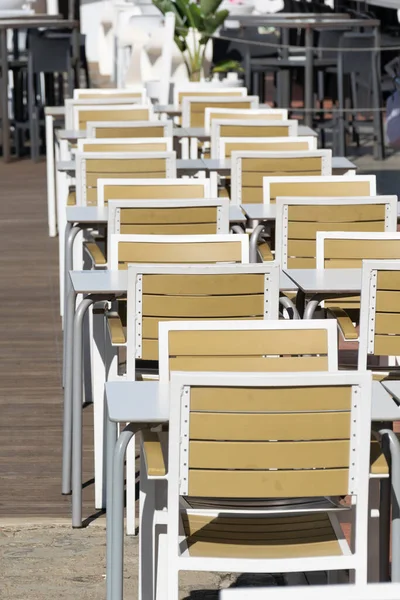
pixel 305 220
pixel 169 221
pixel 103 95
pixel 209 93
pixel 249 169
pixel 269 442
pixel 233 130
pixel 162 252
pixel 348 187
pixel 127 166
pixel 111 114
pixel 197 297
pixel 348 253
pixel 264 145
pixel 149 191
pixel 277 350
pixel 156 131
pixel 197 109
pixel 243 115
pixel 387 316
pixel 125 147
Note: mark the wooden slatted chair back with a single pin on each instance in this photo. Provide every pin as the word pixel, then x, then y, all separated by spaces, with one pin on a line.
pixel 158 293
pixel 162 249
pixel 333 185
pixel 233 114
pixel 299 219
pixel 110 94
pixel 198 90
pixel 125 145
pixel 129 129
pixel 227 145
pixel 168 217
pixel 380 310
pixel 248 169
pixel 92 166
pixel 280 346
pixel 120 112
pixel 193 109
pixel 153 189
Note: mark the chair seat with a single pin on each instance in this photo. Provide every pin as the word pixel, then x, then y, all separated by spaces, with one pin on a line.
pixel 266 537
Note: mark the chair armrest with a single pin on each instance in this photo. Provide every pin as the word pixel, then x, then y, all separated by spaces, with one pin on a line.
pixel 378 465
pixel 95 253
pixel 265 252
pixel 345 324
pixel 71 200
pixel 153 454
pixel 116 329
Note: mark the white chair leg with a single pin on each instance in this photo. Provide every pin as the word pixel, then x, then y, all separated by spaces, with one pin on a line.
pixel 165 580
pixel 51 180
pixel 131 488
pixel 373 531
pixel 98 380
pixel 146 535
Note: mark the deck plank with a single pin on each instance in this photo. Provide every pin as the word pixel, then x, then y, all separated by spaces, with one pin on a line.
pixel 31 355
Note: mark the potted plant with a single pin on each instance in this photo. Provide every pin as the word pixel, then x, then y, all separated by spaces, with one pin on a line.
pixel 195 24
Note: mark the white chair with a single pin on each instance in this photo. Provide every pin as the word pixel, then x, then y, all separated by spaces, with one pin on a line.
pixel 210 483
pixel 131 129
pixel 193 107
pixel 163 144
pixel 227 145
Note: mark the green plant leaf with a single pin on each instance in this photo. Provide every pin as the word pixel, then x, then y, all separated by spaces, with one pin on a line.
pixel 209 7
pixel 228 65
pixel 184 8
pixel 197 17
pixel 180 43
pixel 212 23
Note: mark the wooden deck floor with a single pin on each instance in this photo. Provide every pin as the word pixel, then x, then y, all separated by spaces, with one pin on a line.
pixel 31 354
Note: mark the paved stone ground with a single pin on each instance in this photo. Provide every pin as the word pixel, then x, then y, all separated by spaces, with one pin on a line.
pixel 43 562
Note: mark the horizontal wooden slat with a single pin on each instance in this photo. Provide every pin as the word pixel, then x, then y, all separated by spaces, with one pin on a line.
pixel 203 284
pixel 343 263
pixel 268 484
pixel 202 306
pixel 321 547
pixel 193 214
pixel 387 323
pixel 103 95
pixel 200 107
pixel 388 280
pixel 270 400
pixel 196 252
pixel 125 165
pixel 153 192
pixel 266 146
pixel 387 301
pixel 258 131
pixel 246 116
pixel 303 248
pixel 301 263
pixel 150 324
pixel 269 455
pixel 362 249
pixel 252 195
pixel 144 147
pixel 258 537
pixel 130 132
pixel 269 426
pixel 239 343
pixel 308 521
pixel 92 178
pixel 337 213
pixel 168 229
pixel 281 164
pixel 308 230
pixel 248 363
pixel 208 94
pixel 387 345
pixel 321 189
pixel 84 116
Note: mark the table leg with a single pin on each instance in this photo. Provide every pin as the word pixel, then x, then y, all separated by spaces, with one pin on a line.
pixel 67 409
pixel 300 302
pixel 51 177
pixel 254 237
pixel 4 96
pixel 392 444
pixel 111 440
pixel 77 387
pixel 309 78
pixel 312 306
pixel 117 513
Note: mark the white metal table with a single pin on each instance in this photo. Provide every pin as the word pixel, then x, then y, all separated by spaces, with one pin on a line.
pixel 321 284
